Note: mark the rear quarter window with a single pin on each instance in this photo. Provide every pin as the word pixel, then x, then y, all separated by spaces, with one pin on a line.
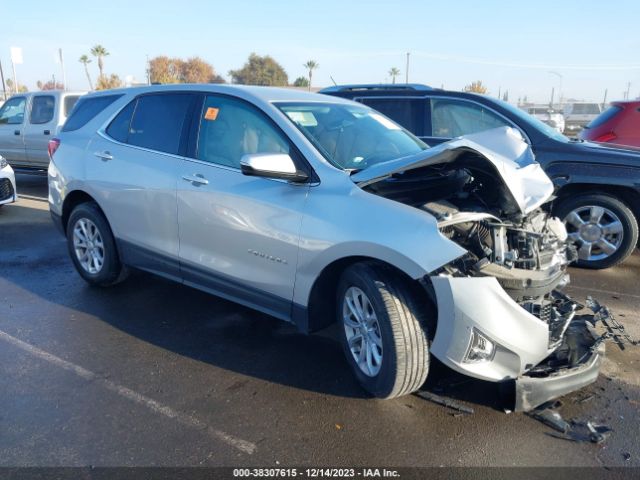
pixel 86 109
pixel 405 111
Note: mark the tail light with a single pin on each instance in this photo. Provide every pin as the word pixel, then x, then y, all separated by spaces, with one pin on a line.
pixel 54 143
pixel 607 137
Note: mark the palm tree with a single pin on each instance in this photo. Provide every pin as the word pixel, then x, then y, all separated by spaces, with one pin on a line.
pixel 311 65
pixel 100 52
pixel 85 60
pixel 393 73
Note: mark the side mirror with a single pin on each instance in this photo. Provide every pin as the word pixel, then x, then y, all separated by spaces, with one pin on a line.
pixel 272 165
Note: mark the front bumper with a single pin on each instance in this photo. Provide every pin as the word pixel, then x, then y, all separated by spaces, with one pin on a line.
pixel 523 355
pixel 532 391
pixel 8 191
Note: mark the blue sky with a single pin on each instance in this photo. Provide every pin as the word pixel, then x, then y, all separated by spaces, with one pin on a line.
pixel 507 45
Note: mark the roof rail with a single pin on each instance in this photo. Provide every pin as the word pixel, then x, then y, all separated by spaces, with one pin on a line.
pixel 376 86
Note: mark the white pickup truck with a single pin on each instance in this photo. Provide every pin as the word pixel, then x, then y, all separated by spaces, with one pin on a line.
pixel 28 121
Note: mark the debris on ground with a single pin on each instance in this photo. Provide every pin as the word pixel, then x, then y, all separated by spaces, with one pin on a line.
pixel 626 456
pixel 585 432
pixel 447 402
pixel 552 419
pixel 576 431
pixel 614 329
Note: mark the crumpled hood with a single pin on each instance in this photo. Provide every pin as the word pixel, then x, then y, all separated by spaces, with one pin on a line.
pixel 503 147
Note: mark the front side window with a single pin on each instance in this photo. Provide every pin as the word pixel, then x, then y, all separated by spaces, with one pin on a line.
pixel 42 108
pixel 351 137
pixel 452 118
pixel 12 112
pixel 159 121
pixel 231 128
pixel 408 112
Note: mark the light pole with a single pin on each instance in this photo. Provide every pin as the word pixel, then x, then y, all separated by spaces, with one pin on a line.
pixel 559 75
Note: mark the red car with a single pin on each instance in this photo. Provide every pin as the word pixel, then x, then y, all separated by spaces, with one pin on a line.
pixel 619 124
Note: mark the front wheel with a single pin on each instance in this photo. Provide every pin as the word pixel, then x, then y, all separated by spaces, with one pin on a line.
pixel 603 228
pixel 383 334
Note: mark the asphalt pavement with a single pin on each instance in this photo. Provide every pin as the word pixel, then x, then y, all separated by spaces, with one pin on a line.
pixel 152 373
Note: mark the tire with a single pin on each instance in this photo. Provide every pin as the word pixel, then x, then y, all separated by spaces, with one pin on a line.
pixel 111 270
pixel 617 218
pixel 401 320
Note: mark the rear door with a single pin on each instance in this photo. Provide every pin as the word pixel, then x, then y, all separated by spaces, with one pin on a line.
pixel 409 112
pixel 133 166
pixel 12 120
pixel 39 128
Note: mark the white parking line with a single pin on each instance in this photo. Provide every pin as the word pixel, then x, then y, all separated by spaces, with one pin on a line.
pixel 609 292
pixel 187 420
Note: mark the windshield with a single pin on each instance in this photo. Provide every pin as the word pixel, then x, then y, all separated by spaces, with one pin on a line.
pixel 351 137
pixel 533 121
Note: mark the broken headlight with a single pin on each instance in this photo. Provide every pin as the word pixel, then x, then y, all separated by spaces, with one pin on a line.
pixel 480 349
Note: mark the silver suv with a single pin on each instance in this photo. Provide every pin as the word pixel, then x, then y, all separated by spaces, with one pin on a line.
pixel 317 210
pixel 28 121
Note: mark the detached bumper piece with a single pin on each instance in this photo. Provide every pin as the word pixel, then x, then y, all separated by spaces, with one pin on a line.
pixel 574 365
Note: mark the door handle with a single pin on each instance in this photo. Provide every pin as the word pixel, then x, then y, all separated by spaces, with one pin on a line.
pixel 47 132
pixel 104 155
pixel 16 132
pixel 196 179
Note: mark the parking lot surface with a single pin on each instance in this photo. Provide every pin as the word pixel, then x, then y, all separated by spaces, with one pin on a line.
pixel 154 373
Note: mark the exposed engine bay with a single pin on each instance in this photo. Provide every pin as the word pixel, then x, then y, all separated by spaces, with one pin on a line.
pixel 527 253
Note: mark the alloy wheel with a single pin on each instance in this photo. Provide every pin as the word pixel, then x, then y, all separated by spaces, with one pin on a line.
pixel 596 230
pixel 362 331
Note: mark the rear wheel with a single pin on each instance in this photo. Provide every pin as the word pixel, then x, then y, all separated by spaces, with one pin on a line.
pixel 383 334
pixel 92 247
pixel 603 228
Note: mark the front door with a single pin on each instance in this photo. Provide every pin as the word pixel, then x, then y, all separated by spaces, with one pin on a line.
pixel 12 119
pixel 238 234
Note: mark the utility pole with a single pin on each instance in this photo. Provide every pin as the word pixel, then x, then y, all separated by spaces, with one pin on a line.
pixel 604 100
pixel 626 95
pixel 148 71
pixel 406 78
pixel 64 74
pixel 553 90
pixel 4 88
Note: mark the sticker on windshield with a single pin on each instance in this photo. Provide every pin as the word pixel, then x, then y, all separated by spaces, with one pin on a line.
pixel 211 113
pixel 385 122
pixel 304 119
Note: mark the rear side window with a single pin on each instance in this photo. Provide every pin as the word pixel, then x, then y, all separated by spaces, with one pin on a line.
pixel 119 127
pixel 68 104
pixel 159 121
pixel 42 107
pixel 86 109
pixel 605 116
pixel 405 111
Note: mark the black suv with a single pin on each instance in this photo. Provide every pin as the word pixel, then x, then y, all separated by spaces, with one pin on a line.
pixel 597 185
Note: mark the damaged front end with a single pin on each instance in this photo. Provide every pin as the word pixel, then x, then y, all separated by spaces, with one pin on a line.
pixel 502 314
